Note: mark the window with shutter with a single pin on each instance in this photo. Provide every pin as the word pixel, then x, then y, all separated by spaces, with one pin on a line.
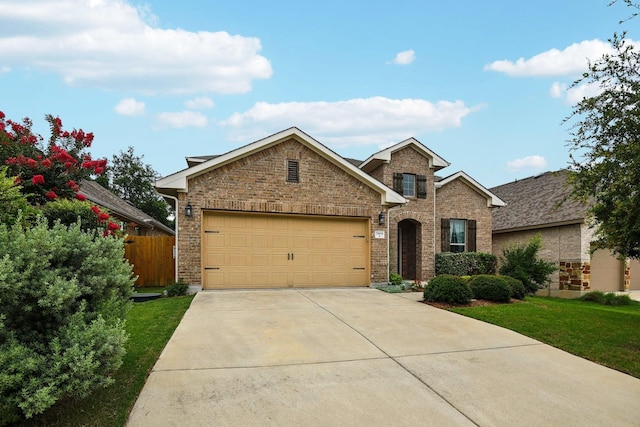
pixel 408 185
pixel 422 186
pixel 444 235
pixel 471 235
pixel 397 183
pixel 293 174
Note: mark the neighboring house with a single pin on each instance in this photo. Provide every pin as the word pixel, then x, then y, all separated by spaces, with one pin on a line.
pixel 132 220
pixel 542 205
pixel 286 211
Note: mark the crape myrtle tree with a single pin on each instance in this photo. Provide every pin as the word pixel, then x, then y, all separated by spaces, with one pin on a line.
pixel 132 180
pixel 64 286
pixel 605 146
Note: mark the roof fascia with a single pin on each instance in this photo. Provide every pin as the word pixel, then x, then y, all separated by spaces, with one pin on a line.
pixel 178 182
pixel 493 201
pixel 384 156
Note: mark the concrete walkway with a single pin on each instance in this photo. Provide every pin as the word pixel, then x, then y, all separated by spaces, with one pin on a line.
pixel 362 357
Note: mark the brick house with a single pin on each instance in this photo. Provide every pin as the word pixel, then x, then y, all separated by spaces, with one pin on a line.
pixel 542 205
pixel 286 211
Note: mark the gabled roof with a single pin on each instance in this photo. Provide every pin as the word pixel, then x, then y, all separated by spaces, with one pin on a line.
pixel 196 160
pixel 493 201
pixel 384 156
pixel 179 181
pixel 119 207
pixel 535 202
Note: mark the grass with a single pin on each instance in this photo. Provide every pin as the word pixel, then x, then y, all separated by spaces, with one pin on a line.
pixel 607 335
pixel 150 325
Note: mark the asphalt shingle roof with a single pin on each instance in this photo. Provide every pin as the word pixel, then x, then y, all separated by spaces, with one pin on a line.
pixel 537 201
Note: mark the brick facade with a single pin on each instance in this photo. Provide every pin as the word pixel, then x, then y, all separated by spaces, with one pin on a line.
pixel 257 183
pixel 458 200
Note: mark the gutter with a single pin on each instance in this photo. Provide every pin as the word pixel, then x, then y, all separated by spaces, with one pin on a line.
pixel 175 253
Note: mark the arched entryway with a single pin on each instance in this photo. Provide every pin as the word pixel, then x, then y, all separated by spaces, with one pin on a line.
pixel 409 243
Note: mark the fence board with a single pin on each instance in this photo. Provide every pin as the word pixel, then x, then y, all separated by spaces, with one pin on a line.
pixel 152 259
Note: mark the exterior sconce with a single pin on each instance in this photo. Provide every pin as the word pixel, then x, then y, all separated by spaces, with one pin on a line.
pixel 188 210
pixel 381 218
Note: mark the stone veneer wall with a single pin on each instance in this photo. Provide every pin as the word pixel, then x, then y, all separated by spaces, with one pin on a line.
pixel 257 183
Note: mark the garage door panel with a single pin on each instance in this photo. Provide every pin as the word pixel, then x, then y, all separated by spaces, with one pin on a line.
pixel 262 250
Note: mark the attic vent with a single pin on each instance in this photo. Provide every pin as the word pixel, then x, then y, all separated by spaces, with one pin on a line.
pixel 293 174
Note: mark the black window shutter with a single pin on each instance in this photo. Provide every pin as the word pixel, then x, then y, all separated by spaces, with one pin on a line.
pixel 397 182
pixel 422 186
pixel 445 236
pixel 471 235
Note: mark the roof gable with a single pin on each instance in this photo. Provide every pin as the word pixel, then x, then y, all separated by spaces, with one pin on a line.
pixel 492 200
pixel 538 201
pixel 384 156
pixel 179 181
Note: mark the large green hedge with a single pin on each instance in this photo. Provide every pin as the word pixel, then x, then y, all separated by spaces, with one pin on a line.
pixel 64 294
pixel 465 263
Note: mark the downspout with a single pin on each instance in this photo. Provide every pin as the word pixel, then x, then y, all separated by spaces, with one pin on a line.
pixel 177 227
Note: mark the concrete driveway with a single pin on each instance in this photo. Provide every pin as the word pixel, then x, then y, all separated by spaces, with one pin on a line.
pixel 362 357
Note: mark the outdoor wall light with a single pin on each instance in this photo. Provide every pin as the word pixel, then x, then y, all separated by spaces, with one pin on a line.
pixel 188 210
pixel 381 218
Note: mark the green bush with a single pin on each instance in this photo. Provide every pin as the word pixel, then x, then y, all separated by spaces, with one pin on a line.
pixel 448 288
pixel 64 295
pixel 521 262
pixel 68 212
pixel 12 202
pixel 395 279
pixel 490 288
pixel 607 298
pixel 177 289
pixel 517 288
pixel 465 263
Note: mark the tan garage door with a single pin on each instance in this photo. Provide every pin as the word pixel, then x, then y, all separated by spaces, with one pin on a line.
pixel 276 251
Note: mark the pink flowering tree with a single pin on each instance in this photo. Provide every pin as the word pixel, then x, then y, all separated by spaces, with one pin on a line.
pixel 47 171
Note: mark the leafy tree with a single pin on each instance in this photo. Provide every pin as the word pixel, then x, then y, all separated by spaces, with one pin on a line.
pixel 605 146
pixel 12 202
pixel 132 180
pixel 521 261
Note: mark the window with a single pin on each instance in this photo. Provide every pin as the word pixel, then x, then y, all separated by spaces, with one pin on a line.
pixel 457 235
pixel 408 185
pixel 293 174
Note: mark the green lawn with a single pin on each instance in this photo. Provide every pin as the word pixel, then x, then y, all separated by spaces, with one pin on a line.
pixel 150 325
pixel 603 334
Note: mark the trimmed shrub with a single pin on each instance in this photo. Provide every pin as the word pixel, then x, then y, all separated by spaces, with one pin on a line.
pixel 490 288
pixel 177 289
pixel 608 298
pixel 465 263
pixel 395 279
pixel 64 295
pixel 517 288
pixel 69 212
pixel 448 288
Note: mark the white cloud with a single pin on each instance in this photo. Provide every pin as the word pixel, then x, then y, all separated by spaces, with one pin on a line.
pixel 376 120
pixel 130 107
pixel 200 103
pixel 570 61
pixel 529 162
pixel 111 44
pixel 557 90
pixel 182 119
pixel 405 57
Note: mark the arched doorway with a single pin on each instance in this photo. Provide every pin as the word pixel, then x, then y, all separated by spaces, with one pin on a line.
pixel 409 243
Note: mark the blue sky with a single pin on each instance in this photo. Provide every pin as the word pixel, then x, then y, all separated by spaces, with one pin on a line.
pixel 481 83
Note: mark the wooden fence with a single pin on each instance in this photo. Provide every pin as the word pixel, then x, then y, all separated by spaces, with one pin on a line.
pixel 152 259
